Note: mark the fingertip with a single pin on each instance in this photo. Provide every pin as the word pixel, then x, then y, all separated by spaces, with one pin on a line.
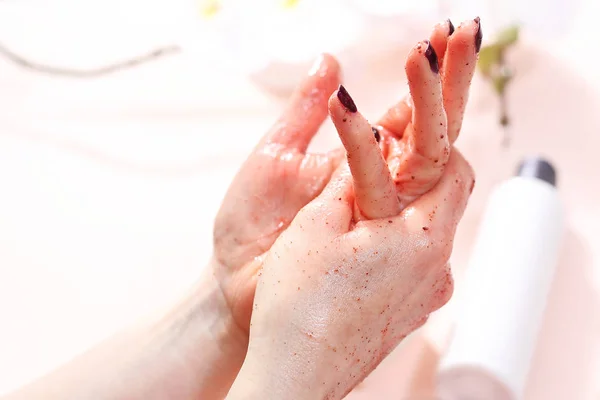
pixel 307 107
pixel 341 104
pixel 333 104
pixel 348 122
pixel 326 65
pixel 323 78
pixel 478 35
pixel 415 61
pixel 422 70
pixel 432 57
pixel 439 38
pixel 467 37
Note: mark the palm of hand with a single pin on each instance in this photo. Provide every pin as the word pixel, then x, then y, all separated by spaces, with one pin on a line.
pixel 274 183
pixel 270 189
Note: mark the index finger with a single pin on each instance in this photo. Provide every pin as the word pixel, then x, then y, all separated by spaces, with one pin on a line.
pixel 374 189
pixel 307 108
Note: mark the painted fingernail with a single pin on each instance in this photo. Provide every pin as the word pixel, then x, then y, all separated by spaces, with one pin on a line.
pixel 432 57
pixel 478 35
pixel 346 100
pixel 450 27
pixel 376 134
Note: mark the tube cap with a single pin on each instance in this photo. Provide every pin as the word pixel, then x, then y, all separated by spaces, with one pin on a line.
pixel 538 168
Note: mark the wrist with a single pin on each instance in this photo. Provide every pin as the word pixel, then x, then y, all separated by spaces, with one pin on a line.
pixel 204 313
pixel 209 345
pixel 193 351
pixel 260 378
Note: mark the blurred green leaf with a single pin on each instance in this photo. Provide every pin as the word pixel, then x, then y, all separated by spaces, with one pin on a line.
pixel 489 56
pixel 508 36
pixel 491 65
pixel 500 83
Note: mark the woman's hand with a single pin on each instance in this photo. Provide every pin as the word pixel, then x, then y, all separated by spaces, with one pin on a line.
pixel 364 264
pixel 417 133
pixel 335 297
pixel 275 182
pixel 279 177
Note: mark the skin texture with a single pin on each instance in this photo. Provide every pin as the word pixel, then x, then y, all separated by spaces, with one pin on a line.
pixel 365 263
pixel 274 183
pixel 335 297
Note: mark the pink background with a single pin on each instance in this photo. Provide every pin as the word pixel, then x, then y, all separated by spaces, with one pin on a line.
pixel 109 188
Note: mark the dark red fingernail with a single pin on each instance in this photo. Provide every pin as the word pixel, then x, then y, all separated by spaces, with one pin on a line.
pixel 346 100
pixel 376 134
pixel 432 57
pixel 478 35
pixel 450 27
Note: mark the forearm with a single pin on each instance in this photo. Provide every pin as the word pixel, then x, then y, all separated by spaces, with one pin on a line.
pixel 255 387
pixel 287 377
pixel 193 351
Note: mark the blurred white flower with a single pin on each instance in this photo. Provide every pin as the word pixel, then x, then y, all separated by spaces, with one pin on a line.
pixel 275 41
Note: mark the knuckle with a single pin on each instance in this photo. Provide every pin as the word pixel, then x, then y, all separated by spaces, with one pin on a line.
pixel 420 322
pixel 467 179
pixel 462 166
pixel 443 288
pixel 313 214
pixel 436 245
pixel 442 247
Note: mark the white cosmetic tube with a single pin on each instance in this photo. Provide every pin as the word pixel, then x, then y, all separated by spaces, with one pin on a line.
pixel 503 297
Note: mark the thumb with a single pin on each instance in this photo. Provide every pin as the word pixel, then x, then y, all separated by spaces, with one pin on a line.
pixel 332 209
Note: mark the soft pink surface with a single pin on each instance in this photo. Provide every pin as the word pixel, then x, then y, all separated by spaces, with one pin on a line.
pixel 109 188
